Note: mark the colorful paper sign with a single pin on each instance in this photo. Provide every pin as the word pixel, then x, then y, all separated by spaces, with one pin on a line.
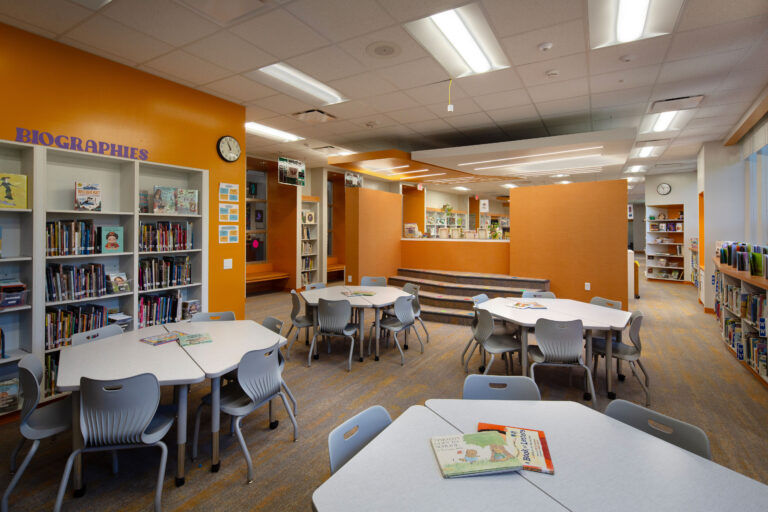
pixel 229 192
pixel 229 234
pixel 229 212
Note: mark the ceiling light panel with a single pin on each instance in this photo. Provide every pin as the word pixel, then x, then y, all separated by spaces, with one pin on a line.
pixel 634 169
pixel 461 40
pixel 298 84
pixel 613 22
pixel 464 189
pixel 423 176
pixel 533 156
pixel 509 185
pixel 664 122
pixel 270 133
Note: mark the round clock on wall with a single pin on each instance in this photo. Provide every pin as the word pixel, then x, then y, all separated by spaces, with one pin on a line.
pixel 228 148
pixel 664 188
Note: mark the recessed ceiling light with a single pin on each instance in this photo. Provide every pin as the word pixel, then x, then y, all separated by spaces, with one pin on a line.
pixel 271 133
pixel 564 182
pixel 303 82
pixel 646 151
pixel 422 176
pixel 553 164
pixel 460 188
pixel 531 156
pixel 613 22
pixel 636 169
pixel 630 19
pixel 636 179
pixel 545 46
pixel 664 120
pixel 509 185
pixel 561 175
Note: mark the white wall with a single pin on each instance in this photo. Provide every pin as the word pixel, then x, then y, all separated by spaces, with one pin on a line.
pixel 436 199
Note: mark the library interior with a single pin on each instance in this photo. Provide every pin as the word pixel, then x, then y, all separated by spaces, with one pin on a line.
pixel 281 254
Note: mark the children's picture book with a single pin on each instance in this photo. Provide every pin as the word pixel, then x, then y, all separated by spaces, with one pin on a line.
pixel 185 340
pixel 9 395
pixel 87 196
pixel 189 308
pixel 531 444
pixel 161 339
pixel 111 239
pixel 361 293
pixel 13 191
pixel 164 200
pixel 118 282
pixel 527 305
pixel 480 453
pixel 143 201
pixel 186 201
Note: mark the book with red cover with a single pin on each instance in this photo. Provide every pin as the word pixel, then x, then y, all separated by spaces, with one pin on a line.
pixel 532 446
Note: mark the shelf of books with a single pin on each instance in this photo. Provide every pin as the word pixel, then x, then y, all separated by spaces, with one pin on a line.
pixel 87 240
pixel 310 242
pixel 439 218
pixel 665 260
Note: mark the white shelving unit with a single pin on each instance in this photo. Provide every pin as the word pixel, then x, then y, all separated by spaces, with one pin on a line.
pixel 665 258
pixel 51 175
pixel 309 243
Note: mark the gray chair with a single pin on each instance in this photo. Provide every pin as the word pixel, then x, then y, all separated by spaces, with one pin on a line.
pixel 275 325
pixel 310 310
pixel 333 319
pixel 477 299
pixel 298 322
pixel 402 321
pixel 373 281
pixel 492 343
pixel 413 289
pixel 534 294
pixel 314 286
pixel 623 352
pixel 135 400
pixel 606 303
pixel 684 435
pixel 96 334
pixel 258 382
pixel 504 387
pixel 212 316
pixel 35 424
pixel 560 344
pixel 351 436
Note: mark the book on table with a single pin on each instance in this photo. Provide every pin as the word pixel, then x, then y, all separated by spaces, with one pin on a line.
pixel 161 339
pixel 530 444
pixel 186 340
pixel 527 305
pixel 479 453
pixel 361 293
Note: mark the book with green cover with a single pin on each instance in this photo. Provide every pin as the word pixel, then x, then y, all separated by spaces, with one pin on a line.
pixel 478 453
pixel 185 340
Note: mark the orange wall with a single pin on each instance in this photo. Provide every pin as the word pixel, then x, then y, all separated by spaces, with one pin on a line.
pixel 413 206
pixel 52 87
pixel 339 221
pixel 459 255
pixel 474 207
pixel 374 223
pixel 572 234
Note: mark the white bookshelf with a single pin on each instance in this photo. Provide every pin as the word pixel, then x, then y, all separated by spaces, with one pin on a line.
pixel 51 175
pixel 309 243
pixel 665 258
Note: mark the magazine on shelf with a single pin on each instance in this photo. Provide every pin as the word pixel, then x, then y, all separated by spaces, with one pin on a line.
pixel 531 444
pixel 479 453
pixel 87 196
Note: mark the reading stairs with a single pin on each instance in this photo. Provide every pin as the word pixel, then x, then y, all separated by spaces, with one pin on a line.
pixel 446 296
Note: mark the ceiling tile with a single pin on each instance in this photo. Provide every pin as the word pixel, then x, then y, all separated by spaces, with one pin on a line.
pixel 230 52
pixel 522 114
pixel 580 116
pixel 415 73
pixel 705 13
pixel 392 101
pixel 621 97
pixel 568 128
pixel 475 120
pixel 97 51
pixel 636 54
pixel 341 19
pixel 161 19
pixel 570 67
pixel 187 67
pixel 529 130
pixel 282 104
pixel 112 37
pixel 363 85
pixel 374 121
pixel 626 79
pixel 33 29
pixel 729 110
pixel 698 67
pixel 285 123
pixel 51 15
pixel 427 94
pixel 509 17
pixel 340 127
pixel 434 126
pixel 559 90
pixel 486 83
pixel 565 106
pixel 408 10
pixel 350 109
pixel 168 76
pixel 625 110
pixel 240 88
pixel 499 100
pixel 329 63
pixel 460 108
pixel 405 48
pixel 412 115
pixel 566 39
pixel 682 88
pixel 757 77
pixel 269 30
pixel 713 123
pixel 727 96
pixel 257 113
pixel 719 38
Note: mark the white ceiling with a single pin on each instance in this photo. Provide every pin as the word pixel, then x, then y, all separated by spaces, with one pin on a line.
pixel 717 49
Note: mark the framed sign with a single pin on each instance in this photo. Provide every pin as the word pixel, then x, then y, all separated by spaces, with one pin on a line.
pixel 290 172
pixel 353 180
pixel 630 212
pixel 484 206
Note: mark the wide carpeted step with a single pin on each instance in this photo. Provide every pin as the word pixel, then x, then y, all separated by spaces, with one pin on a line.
pixel 476 278
pixel 459 289
pixel 442 300
pixel 446 315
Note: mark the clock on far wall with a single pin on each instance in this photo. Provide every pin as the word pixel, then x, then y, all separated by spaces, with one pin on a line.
pixel 228 148
pixel 664 188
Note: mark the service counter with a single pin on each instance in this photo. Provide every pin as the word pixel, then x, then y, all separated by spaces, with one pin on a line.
pixel 461 255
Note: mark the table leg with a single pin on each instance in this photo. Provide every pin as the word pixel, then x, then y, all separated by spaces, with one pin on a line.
pixel 77 443
pixel 524 349
pixel 215 413
pixel 181 432
pixel 376 318
pixel 608 365
pixel 314 329
pixel 587 394
pixel 361 328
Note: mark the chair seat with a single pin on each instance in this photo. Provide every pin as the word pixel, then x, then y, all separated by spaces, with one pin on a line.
pixel 391 323
pixel 536 355
pixel 233 401
pixel 49 420
pixel 160 425
pixel 619 350
pixel 498 343
pixel 348 330
pixel 303 321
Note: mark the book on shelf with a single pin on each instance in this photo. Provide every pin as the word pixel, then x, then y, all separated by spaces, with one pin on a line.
pixel 118 282
pixel 164 200
pixel 186 201
pixel 531 445
pixel 110 239
pixel 165 236
pixel 2 344
pixel 51 373
pixel 71 237
pixel 143 201
pixel 156 273
pixel 161 339
pixel 159 309
pixel 120 319
pixel 64 321
pixel 189 308
pixel 12 293
pixel 13 191
pixel 9 395
pixel 473 454
pixel 87 196
pixel 187 340
pixel 75 282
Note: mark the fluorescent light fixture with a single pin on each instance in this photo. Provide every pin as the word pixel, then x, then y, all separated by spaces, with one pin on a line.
pixel 561 175
pixel 509 185
pixel 303 82
pixel 646 151
pixel 564 182
pixel 388 168
pixel 630 20
pixel 422 176
pixel 460 40
pixel 636 179
pixel 270 133
pixel 635 169
pixel 664 120
pixel 460 188
pixel 408 172
pixel 532 156
pixel 552 164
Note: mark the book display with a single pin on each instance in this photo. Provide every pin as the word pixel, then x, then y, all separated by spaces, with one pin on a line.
pixel 255 217
pixel 73 242
pixel 439 218
pixel 310 243
pixel 664 240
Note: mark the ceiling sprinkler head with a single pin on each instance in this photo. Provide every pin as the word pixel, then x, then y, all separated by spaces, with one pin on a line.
pixel 552 73
pixel 545 46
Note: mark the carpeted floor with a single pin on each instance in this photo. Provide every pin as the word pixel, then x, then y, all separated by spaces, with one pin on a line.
pixel 693 378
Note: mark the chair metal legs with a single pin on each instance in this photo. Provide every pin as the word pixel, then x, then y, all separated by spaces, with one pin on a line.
pixel 290 341
pixel 196 431
pixel 423 327
pixel 114 462
pixel 311 350
pixel 351 351
pixel 418 336
pixel 471 353
pixel 65 479
pixel 160 474
pixel 244 448
pixel 643 385
pixel 290 395
pixel 579 363
pixel 15 453
pixel 397 344
pixel 17 475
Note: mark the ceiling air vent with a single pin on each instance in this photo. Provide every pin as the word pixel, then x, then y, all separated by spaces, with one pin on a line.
pixel 313 116
pixel 682 103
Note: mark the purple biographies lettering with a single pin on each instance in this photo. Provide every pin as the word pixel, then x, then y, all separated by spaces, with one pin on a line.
pixel 78 144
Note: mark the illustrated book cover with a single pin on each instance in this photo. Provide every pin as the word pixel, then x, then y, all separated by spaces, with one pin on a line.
pixel 119 282
pixel 13 191
pixel 87 196
pixel 143 201
pixel 185 340
pixel 531 444
pixel 473 454
pixel 111 239
pixel 186 201
pixel 161 339
pixel 164 200
pixel 527 305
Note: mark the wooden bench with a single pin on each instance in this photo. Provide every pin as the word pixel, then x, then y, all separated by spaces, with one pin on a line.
pixel 334 267
pixel 262 277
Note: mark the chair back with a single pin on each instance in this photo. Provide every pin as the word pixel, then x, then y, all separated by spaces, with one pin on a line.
pixel 259 374
pixel 96 334
pixel 681 434
pixel 333 315
pixel 117 412
pixel 212 316
pixel 536 294
pixel 296 308
pixel 606 303
pixel 273 324
pixel 479 299
pixel 560 342
pixel 404 310
pixel 373 281
pixel 351 436
pixel 314 286
pixel 413 289
pixel 635 323
pixel 500 387
pixel 482 327
pixel 30 377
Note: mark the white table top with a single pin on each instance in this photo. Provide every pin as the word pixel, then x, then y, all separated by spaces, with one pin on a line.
pixel 603 464
pixel 397 470
pixel 124 356
pixel 231 340
pixel 592 316
pixel 382 295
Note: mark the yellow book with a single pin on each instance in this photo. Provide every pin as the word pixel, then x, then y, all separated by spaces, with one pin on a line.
pixel 13 191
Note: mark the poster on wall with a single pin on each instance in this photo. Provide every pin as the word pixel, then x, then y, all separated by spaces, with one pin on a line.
pixel 630 212
pixel 290 172
pixel 229 234
pixel 229 192
pixel 229 212
pixel 352 180
pixel 484 206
